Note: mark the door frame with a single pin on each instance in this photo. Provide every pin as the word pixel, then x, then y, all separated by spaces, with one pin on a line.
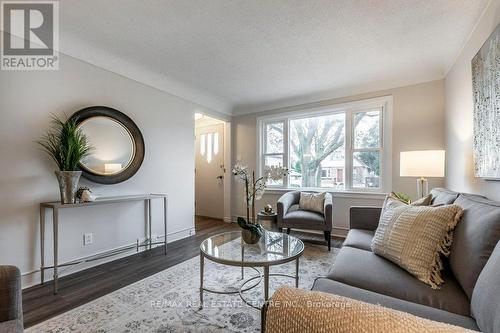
pixel 227 162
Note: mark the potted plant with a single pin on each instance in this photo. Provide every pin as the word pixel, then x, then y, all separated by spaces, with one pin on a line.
pixel 67 145
pixel 254 189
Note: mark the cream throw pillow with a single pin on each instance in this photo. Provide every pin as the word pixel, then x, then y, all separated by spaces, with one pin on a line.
pixel 392 201
pixel 313 202
pixel 415 237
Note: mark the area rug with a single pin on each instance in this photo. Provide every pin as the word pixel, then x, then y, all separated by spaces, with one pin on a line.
pixel 169 300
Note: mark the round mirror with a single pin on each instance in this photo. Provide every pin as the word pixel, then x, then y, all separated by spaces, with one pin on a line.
pixel 118 145
pixel 113 146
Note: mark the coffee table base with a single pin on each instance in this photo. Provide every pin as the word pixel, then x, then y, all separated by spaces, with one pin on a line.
pixel 249 303
pixel 242 288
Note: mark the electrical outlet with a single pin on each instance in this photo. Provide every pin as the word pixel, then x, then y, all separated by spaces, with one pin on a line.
pixel 87 239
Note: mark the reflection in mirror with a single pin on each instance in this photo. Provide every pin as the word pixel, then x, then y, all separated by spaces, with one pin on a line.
pixel 114 147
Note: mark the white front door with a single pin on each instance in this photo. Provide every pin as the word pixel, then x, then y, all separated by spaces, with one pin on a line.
pixel 209 181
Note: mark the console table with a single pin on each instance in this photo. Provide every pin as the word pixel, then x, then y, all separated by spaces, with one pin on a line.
pixel 56 206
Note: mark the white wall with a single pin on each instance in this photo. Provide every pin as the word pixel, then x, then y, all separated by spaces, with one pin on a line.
pixel 27 175
pixel 459 110
pixel 418 122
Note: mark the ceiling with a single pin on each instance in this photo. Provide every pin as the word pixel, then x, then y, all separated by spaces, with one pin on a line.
pixel 247 55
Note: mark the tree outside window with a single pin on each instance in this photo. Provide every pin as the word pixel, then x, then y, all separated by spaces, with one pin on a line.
pixel 317 150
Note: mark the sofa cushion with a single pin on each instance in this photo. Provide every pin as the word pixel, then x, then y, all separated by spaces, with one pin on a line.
pixel 415 237
pixel 366 270
pixel 341 289
pixel 441 196
pixel 485 303
pixel 303 219
pixel 475 237
pixel 360 239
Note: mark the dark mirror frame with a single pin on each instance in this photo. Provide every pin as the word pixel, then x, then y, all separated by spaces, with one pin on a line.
pixel 125 121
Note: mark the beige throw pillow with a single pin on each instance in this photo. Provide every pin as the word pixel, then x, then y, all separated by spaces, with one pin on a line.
pixel 415 237
pixel 425 201
pixel 393 201
pixel 314 202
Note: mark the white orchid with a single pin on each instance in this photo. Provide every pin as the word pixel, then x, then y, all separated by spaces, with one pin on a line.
pixel 255 188
pixel 275 172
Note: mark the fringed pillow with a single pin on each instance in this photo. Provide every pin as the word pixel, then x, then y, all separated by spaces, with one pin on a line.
pixel 415 237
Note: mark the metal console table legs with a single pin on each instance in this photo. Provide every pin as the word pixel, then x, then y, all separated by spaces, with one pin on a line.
pixel 56 206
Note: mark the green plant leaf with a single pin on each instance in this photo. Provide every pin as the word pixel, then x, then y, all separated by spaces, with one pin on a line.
pixel 403 197
pixel 253 228
pixel 65 143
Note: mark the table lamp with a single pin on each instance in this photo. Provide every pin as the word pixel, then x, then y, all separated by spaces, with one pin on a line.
pixel 110 168
pixel 422 164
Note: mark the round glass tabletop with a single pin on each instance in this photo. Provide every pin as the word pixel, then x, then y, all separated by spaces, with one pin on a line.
pixel 272 249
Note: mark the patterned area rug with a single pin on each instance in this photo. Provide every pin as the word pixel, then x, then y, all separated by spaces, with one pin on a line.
pixel 169 301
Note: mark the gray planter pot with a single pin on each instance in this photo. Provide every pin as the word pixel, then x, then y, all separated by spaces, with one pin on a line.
pixel 68 185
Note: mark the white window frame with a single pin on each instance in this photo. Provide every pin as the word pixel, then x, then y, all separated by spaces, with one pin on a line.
pixel 384 104
pixel 328 173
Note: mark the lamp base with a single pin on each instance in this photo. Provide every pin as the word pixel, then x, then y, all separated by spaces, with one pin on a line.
pixel 422 187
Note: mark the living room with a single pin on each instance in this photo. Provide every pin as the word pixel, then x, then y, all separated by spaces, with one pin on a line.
pixel 227 166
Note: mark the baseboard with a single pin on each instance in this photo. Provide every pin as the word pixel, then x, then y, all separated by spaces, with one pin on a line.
pixel 32 278
pixel 336 231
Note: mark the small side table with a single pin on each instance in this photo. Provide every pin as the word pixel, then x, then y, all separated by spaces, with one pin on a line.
pixel 273 218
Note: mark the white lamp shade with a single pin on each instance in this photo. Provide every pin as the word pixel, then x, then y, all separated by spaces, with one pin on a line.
pixel 422 163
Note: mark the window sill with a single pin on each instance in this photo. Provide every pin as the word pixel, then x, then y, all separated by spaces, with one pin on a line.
pixel 335 194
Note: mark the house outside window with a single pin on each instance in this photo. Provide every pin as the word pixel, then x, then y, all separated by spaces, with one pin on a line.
pixel 344 147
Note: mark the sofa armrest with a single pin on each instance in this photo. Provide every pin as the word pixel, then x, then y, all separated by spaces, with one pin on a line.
pixel 328 210
pixel 284 203
pixel 314 311
pixel 10 294
pixel 364 217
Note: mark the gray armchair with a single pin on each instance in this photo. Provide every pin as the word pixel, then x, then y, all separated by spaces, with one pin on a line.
pixel 291 217
pixel 11 311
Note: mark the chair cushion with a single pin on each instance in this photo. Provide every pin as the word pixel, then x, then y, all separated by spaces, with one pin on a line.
pixel 366 270
pixel 441 196
pixel 303 219
pixel 341 289
pixel 12 326
pixel 360 239
pixel 485 303
pixel 10 293
pixel 475 237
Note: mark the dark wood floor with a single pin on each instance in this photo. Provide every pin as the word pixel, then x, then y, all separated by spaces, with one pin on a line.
pixel 39 302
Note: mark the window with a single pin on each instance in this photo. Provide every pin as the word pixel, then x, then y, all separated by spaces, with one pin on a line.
pixel 274 146
pixel 209 143
pixel 314 143
pixel 366 150
pixel 342 147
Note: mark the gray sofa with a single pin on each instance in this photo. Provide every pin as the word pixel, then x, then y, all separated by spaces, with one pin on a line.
pixel 11 312
pixel 291 217
pixel 470 296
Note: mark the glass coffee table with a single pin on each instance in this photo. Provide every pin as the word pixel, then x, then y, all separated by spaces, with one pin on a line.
pixel 228 248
